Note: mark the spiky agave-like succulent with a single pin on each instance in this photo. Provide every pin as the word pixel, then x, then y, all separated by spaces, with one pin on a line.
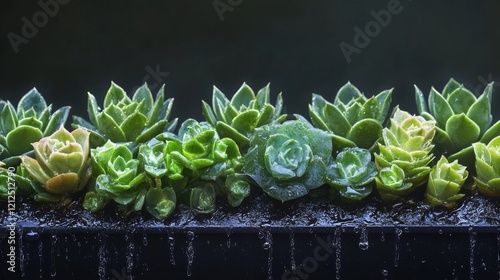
pixel 445 182
pixel 354 120
pixel 237 118
pixel 352 173
pixel 122 119
pixel 29 123
pixel 61 164
pixel 461 119
pixel 405 155
pixel 487 180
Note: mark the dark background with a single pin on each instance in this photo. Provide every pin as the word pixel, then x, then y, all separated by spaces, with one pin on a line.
pixel 292 44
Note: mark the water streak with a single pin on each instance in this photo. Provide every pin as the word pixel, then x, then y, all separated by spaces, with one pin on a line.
pixel 363 239
pixel 53 252
pixel 21 252
pixel 472 244
pixel 338 250
pixel 396 246
pixel 171 245
pixel 268 245
pixel 102 256
pixel 129 239
pixel 40 256
pixel 292 251
pixel 190 253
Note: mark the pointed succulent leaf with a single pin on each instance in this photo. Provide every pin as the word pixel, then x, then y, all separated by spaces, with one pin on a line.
pixel 143 94
pixel 420 100
pixel 32 99
pixel 57 120
pixel 346 93
pixel 491 133
pixel 110 129
pixel 384 99
pixel 461 100
pixel 114 95
pixel 92 109
pixel 134 125
pixel 242 97
pixel 8 119
pixel 462 130
pixel 246 121
pixel 450 87
pixel 440 108
pixel 335 120
pixel 266 115
pixel 209 114
pixel 262 98
pixel 151 132
pixel 480 112
pixel 316 120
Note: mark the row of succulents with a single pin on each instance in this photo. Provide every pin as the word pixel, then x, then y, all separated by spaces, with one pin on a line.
pixel 130 154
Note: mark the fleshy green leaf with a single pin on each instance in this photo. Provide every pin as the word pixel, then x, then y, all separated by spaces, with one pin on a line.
pixel 462 131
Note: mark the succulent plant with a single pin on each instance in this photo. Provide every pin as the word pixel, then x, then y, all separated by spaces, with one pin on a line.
pixel 354 120
pixel 461 119
pixel 487 180
pixel 288 160
pixel 201 165
pixel 352 173
pixel 405 155
pixel 118 177
pixel 122 119
pixel 16 182
pixel 237 118
pixel 445 182
pixel 160 201
pixel 61 164
pixel 29 123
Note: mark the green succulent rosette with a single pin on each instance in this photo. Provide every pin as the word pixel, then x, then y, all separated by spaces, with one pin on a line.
pixel 237 118
pixel 461 119
pixel 16 182
pixel 117 177
pixel 288 160
pixel 160 201
pixel 200 166
pixel 61 165
pixel 352 173
pixel 445 182
pixel 487 165
pixel 123 119
pixel 28 124
pixel 405 155
pixel 354 120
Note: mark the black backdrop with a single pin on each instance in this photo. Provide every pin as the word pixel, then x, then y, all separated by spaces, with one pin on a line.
pixel 78 46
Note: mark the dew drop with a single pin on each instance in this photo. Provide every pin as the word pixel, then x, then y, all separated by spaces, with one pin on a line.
pixel 102 256
pixel 396 246
pixel 385 272
pixel 268 245
pixel 363 239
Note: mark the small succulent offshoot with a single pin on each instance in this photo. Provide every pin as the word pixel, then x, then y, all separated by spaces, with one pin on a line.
pixel 61 165
pixel 461 119
pixel 133 121
pixel 405 155
pixel 28 124
pixel 352 173
pixel 288 160
pixel 237 118
pixel 354 120
pixel 445 182
pixel 487 180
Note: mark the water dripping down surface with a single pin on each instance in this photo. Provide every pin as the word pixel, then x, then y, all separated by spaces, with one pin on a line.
pixel 129 240
pixel 338 251
pixel 102 253
pixel 292 251
pixel 171 246
pixel 472 245
pixel 190 253
pixel 53 252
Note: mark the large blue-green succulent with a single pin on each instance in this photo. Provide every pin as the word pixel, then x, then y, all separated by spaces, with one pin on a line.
pixel 288 160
